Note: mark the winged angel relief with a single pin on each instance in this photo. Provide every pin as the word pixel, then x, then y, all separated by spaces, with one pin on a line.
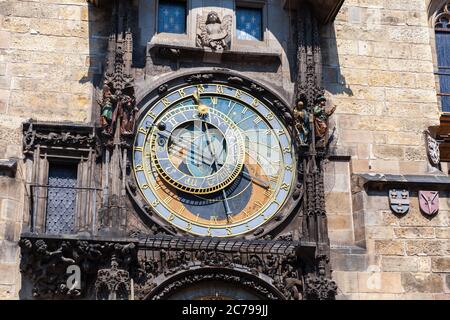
pixel 214 33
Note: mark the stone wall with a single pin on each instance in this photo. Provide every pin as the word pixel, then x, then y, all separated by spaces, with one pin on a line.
pixel 379 72
pixel 50 54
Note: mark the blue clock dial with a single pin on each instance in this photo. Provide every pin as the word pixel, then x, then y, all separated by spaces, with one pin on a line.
pixel 213 160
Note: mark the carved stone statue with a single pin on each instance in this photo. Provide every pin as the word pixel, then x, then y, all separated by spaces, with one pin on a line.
pixel 322 112
pixel 107 103
pixel 127 111
pixel 214 33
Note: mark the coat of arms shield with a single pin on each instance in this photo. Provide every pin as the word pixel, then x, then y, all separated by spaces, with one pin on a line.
pixel 429 202
pixel 399 201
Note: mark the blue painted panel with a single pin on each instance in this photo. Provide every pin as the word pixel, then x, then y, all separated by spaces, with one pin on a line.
pixel 249 23
pixel 172 17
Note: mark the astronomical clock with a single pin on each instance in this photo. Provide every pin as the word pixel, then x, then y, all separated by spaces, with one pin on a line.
pixel 213 160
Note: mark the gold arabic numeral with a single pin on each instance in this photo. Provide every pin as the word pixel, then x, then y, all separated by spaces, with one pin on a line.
pixel 139 149
pixel 268 132
pixel 255 103
pixel 143 130
pixel 219 89
pixel 270 116
pixel 166 102
pixel 238 94
pixel 145 186
pixel 288 168
pixel 155 203
pixel 229 232
pixel 182 93
pixel 171 217
pixel 138 168
pixel 200 88
pixel 281 132
pixel 264 216
pixel 208 233
pixel 214 100
pixel 257 120
pixel 189 227
pixel 285 187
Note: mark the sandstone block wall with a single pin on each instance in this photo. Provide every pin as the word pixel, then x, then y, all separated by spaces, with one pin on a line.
pixel 50 53
pixel 379 71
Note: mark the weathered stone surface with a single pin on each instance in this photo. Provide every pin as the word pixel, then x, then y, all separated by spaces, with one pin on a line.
pixel 390 247
pixel 422 282
pixel 441 264
pixel 414 233
pixel 426 247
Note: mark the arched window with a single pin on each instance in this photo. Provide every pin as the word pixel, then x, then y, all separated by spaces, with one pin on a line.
pixel 442 28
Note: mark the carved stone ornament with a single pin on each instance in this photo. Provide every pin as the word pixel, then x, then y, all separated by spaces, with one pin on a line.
pixel 213 32
pixel 319 286
pixel 399 201
pixel 433 151
pixel 429 202
pixel 45 263
pixel 112 283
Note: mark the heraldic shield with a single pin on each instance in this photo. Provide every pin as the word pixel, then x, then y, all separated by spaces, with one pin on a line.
pixel 399 201
pixel 429 202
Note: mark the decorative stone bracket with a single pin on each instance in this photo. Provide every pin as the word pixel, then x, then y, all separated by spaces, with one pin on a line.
pixel 46 262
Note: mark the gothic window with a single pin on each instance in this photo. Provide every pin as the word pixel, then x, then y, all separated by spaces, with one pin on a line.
pixel 249 23
pixel 442 27
pixel 172 16
pixel 61 198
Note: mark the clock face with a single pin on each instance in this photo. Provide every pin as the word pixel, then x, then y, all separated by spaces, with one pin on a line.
pixel 213 160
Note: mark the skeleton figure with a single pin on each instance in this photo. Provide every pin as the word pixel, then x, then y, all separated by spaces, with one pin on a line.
pixel 213 32
pixel 301 122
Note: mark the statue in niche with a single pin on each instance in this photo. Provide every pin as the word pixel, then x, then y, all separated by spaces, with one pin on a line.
pixel 127 110
pixel 214 33
pixel 322 112
pixel 107 104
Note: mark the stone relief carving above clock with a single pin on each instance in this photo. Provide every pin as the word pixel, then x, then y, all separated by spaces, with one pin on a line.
pixel 213 32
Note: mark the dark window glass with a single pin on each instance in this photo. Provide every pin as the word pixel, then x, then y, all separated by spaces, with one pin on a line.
pixel 172 16
pixel 249 23
pixel 442 26
pixel 61 199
